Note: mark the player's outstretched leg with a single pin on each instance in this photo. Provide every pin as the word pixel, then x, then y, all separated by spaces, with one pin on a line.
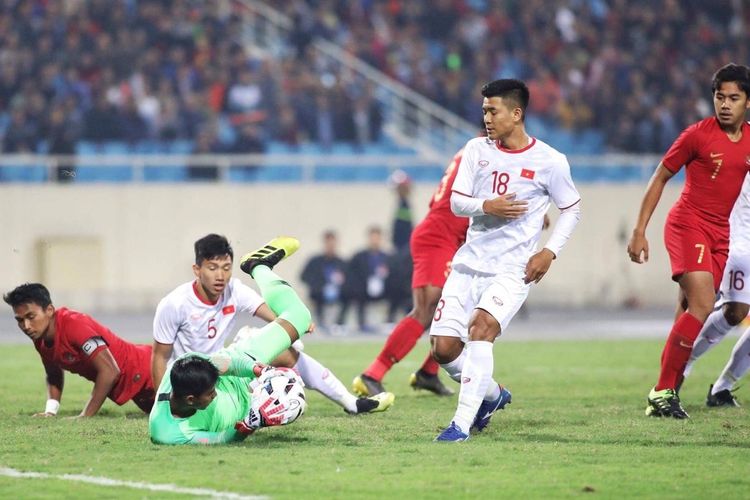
pixel 269 254
pixel 738 365
pixel 319 378
pixel 276 336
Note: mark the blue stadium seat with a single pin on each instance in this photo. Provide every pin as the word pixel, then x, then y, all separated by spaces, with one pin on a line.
pixel 354 173
pixel 104 174
pixel 168 173
pixel 23 173
pixel 179 147
pixel 280 173
pixel 87 148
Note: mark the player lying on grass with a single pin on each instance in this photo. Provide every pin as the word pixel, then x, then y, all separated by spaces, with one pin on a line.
pixel 71 341
pixel 215 406
pixel 198 316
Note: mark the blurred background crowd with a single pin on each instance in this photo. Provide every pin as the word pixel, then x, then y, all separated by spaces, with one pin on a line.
pixel 175 72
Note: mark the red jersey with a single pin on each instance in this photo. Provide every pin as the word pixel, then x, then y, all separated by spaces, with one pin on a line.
pixel 715 170
pixel 79 338
pixel 440 213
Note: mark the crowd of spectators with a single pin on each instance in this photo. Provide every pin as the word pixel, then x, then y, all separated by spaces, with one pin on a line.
pixel 135 70
pixel 159 70
pixel 638 70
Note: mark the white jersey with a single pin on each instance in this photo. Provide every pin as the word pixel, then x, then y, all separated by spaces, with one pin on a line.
pixel 739 236
pixel 192 325
pixel 537 174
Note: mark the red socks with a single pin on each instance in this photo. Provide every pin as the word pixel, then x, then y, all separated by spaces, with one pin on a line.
pixel 677 350
pixel 430 366
pixel 400 342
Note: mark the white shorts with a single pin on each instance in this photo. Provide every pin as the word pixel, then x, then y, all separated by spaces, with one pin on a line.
pixel 501 295
pixel 735 284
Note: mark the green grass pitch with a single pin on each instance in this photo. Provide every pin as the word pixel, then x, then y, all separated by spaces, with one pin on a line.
pixel 576 428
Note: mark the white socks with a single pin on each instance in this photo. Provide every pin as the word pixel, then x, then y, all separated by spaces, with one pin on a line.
pixel 714 330
pixel 738 365
pixel 476 378
pixel 454 369
pixel 318 377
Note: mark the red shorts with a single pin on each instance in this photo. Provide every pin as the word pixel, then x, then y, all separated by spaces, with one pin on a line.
pixel 432 249
pixel 135 382
pixel 695 245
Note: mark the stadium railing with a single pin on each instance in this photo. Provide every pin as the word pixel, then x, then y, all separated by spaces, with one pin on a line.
pixel 289 168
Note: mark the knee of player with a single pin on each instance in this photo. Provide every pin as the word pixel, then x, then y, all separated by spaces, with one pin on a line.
pixel 445 349
pixel 301 319
pixel 440 355
pixel 735 312
pixel 484 327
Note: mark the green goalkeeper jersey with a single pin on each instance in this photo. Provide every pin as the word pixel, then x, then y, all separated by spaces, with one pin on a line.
pixel 213 425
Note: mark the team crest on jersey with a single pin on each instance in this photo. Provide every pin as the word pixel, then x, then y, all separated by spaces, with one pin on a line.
pixel 68 357
pixel 483 163
pixel 527 173
pixel 228 309
pixel 497 301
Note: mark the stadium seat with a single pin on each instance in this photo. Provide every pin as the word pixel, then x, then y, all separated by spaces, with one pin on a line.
pixel 23 173
pixel 353 173
pixel 167 173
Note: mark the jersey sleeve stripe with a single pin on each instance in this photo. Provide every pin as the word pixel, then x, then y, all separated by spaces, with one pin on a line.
pixel 571 205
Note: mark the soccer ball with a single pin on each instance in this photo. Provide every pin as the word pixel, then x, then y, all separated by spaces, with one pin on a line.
pixel 278 397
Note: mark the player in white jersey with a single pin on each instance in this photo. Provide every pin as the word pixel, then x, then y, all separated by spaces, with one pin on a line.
pixel 731 308
pixel 200 315
pixel 505 184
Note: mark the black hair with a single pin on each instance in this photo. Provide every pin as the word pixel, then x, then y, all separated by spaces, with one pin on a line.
pixel 212 246
pixel 192 375
pixel 28 293
pixel 732 73
pixel 510 89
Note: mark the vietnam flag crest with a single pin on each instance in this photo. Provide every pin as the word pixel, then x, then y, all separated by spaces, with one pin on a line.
pixel 228 309
pixel 526 173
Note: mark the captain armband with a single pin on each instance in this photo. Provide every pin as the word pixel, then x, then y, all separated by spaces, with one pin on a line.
pixel 92 345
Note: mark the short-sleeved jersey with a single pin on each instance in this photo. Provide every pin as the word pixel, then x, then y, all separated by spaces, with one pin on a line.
pixel 215 424
pixel 183 319
pixel 440 223
pixel 537 174
pixel 79 339
pixel 739 235
pixel 715 170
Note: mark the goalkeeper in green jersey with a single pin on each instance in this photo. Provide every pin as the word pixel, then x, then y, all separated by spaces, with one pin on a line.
pixel 205 399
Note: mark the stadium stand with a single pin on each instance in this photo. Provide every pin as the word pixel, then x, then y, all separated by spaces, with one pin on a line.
pixel 150 77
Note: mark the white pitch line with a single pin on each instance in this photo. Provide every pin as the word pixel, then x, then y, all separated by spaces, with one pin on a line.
pixel 105 481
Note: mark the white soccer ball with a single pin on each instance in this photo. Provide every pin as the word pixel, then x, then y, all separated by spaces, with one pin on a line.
pixel 278 397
